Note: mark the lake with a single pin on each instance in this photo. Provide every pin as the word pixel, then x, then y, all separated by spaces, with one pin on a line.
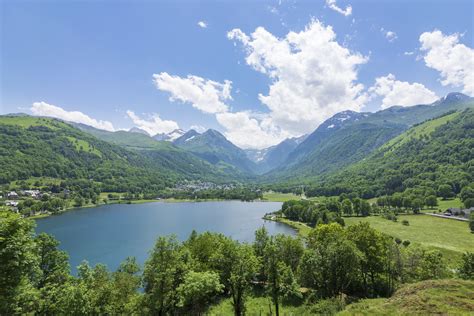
pixel 109 233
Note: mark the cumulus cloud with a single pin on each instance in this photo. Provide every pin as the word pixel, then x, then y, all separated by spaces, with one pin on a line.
pixel 313 76
pixel 205 95
pixel 198 128
pixel 332 5
pixel 454 61
pixel 202 24
pixel 154 124
pixel 402 93
pixel 45 109
pixel 249 130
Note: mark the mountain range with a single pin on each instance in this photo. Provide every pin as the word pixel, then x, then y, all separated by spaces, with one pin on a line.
pixel 341 141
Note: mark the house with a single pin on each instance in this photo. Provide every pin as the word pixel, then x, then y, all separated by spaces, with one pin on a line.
pixel 454 211
pixel 11 203
pixel 36 194
pixel 12 195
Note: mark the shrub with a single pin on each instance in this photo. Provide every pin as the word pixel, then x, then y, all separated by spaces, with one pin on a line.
pixel 406 243
pixel 405 222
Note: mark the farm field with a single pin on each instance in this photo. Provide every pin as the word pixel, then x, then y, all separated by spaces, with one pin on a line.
pixel 450 236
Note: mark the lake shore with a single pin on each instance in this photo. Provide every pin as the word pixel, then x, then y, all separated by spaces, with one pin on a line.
pixel 141 201
pixel 301 228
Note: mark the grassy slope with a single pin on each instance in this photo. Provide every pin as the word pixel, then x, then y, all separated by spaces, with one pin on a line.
pixel 449 236
pixel 280 197
pixel 418 131
pixel 258 306
pixel 455 297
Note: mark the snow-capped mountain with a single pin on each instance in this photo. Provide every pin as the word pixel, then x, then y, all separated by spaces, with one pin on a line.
pixel 171 136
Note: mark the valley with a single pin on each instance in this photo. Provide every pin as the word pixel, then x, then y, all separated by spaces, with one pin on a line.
pixel 359 178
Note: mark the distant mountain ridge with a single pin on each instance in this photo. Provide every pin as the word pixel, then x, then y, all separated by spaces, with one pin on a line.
pixel 272 157
pixel 345 138
pixel 350 136
pixel 214 147
pixel 171 136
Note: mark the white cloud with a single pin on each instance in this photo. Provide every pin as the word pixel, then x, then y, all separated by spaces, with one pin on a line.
pixel 402 93
pixel 453 60
pixel 45 109
pixel 332 5
pixel 154 125
pixel 202 24
pixel 203 94
pixel 313 76
pixel 389 35
pixel 198 128
pixel 408 53
pixel 249 130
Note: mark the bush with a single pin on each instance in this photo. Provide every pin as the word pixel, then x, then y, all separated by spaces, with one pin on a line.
pixel 466 270
pixel 328 307
pixel 406 243
pixel 405 222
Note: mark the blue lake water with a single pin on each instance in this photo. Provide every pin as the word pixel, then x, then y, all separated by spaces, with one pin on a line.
pixel 109 233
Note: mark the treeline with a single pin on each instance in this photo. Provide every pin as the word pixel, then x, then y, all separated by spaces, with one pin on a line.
pixel 62 152
pixel 185 278
pixel 240 193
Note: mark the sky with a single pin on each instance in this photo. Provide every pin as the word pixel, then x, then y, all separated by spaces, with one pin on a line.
pixel 258 71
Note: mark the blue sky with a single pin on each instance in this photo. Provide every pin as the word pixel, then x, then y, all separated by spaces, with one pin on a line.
pixel 99 58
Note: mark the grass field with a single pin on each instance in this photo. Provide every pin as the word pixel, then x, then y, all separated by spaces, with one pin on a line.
pixel 449 236
pixel 440 297
pixel 280 197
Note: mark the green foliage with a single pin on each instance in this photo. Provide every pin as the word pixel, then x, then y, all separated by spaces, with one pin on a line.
pixel 187 277
pixel 441 160
pixel 197 290
pixel 466 268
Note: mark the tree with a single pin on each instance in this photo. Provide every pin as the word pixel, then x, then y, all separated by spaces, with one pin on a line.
pixel 126 282
pixel 467 194
pixel 374 247
pixel 431 201
pixel 164 272
pixel 445 191
pixel 18 263
pixel 416 205
pixel 280 279
pixel 347 207
pixel 466 269
pixel 468 203
pixel 331 262
pixel 261 241
pixel 197 290
pixel 54 263
pixel 244 268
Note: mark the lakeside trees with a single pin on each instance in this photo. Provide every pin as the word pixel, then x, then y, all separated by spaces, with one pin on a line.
pixel 187 277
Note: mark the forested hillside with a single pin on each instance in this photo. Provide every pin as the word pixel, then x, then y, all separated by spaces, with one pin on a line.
pixel 44 147
pixel 349 137
pixel 435 153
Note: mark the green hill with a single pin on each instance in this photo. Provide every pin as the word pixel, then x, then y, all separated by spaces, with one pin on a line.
pixel 45 147
pixel 349 137
pixel 213 147
pixel 438 151
pixel 432 297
